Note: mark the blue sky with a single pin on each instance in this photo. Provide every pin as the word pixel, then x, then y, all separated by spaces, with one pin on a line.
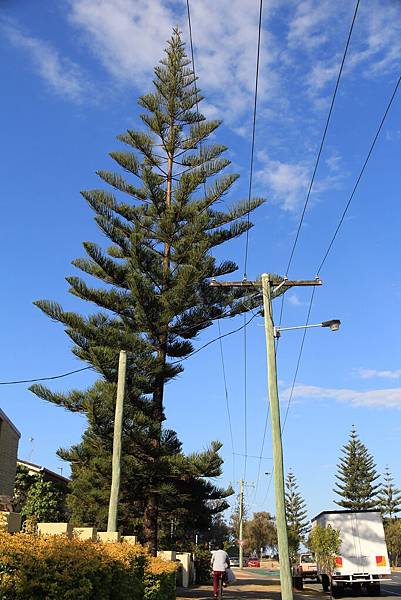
pixel 72 71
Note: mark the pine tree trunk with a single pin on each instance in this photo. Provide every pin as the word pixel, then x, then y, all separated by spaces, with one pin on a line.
pixel 150 519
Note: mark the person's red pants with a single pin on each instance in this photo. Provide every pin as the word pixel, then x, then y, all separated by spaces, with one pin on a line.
pixel 216 578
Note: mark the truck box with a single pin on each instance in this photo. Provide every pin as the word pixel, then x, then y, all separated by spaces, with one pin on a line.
pixel 363 558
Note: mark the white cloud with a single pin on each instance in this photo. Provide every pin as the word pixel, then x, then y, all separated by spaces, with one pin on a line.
pixel 386 374
pixel 375 47
pixel 62 75
pixel 381 398
pixel 288 182
pixel 128 38
pixel 294 300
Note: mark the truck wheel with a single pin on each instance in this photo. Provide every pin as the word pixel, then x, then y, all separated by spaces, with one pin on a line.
pixel 325 583
pixel 336 591
pixel 374 589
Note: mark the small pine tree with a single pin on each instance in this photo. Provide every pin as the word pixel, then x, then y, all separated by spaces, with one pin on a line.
pixel 356 476
pixel 296 514
pixel 389 497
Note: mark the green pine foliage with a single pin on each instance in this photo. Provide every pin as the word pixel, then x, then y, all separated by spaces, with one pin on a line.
pixel 296 514
pixel 356 476
pixel 389 496
pixel 162 215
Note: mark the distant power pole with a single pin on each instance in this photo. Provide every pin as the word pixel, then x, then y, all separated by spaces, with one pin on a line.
pixel 241 521
pixel 270 289
pixel 242 485
pixel 117 441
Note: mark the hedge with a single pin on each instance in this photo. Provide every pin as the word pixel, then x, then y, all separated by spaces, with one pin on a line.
pixel 56 568
pixel 159 580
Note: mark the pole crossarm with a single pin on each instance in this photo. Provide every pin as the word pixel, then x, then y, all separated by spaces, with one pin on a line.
pixel 258 283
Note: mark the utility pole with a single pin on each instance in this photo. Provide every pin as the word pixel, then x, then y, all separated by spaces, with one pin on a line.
pixel 241 523
pixel 283 284
pixel 242 485
pixel 117 439
pixel 285 566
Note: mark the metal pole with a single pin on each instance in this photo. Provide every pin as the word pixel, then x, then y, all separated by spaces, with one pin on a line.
pixel 241 519
pixel 285 567
pixel 118 428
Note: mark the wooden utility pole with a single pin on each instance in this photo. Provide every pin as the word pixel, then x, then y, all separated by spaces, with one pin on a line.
pixel 241 524
pixel 284 555
pixel 117 440
pixel 269 290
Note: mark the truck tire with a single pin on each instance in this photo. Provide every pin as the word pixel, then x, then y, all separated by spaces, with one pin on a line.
pixel 373 589
pixel 325 583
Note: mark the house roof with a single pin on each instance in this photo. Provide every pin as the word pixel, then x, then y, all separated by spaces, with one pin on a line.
pixel 44 470
pixel 3 417
pixel 335 512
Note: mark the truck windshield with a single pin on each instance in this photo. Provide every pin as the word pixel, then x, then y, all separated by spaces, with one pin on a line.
pixel 307 558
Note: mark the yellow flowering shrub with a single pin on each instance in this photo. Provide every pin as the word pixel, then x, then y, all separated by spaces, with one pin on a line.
pixel 159 580
pixel 57 568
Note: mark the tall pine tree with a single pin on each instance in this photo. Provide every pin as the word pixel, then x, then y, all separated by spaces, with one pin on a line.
pixel 356 475
pixel 163 222
pixel 389 496
pixel 296 513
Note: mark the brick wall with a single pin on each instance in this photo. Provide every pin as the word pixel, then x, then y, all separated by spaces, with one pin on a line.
pixel 9 438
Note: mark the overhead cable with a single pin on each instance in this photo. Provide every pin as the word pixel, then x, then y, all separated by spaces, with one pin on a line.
pixel 390 102
pixel 252 156
pixel 44 378
pixel 330 245
pixel 323 137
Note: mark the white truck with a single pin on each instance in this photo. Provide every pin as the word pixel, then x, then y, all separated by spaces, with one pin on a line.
pixel 363 559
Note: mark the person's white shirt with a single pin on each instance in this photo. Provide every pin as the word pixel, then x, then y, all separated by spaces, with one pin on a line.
pixel 220 560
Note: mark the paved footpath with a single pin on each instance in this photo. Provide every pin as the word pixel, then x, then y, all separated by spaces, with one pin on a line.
pixel 250 585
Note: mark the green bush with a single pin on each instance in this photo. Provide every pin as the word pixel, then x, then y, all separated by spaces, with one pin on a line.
pixel 56 568
pixel 34 567
pixel 159 580
pixel 202 565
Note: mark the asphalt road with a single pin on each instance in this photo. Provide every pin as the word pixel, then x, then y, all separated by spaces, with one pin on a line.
pixel 388 588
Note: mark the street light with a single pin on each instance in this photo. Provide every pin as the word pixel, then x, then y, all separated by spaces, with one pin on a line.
pixel 333 324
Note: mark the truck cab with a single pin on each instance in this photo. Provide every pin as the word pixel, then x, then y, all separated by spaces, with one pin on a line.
pixel 307 566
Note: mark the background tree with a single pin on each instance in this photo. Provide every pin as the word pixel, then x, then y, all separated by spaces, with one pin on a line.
pixel 163 223
pixel 260 532
pixel 356 475
pixel 389 496
pixel 296 514
pixel 34 497
pixel 393 541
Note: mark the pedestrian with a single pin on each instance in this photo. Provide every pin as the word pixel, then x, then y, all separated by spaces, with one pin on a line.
pixel 220 562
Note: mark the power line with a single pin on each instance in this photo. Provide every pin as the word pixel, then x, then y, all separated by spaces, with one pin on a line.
pixel 227 399
pixel 390 102
pixel 253 131
pixel 308 198
pixel 328 119
pixel 299 360
pixel 44 378
pixel 205 194
pixel 255 102
pixel 245 398
pixel 323 137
